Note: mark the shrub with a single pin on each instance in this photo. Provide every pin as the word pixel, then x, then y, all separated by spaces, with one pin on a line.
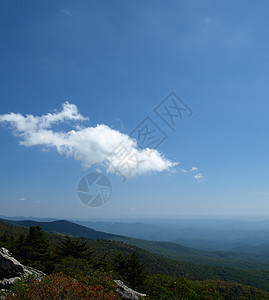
pixel 59 286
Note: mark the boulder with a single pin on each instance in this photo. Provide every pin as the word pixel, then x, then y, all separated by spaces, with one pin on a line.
pixel 127 293
pixel 11 269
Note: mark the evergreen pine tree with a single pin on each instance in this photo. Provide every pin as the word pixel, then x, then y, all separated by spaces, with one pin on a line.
pixel 120 265
pixel 35 248
pixel 72 248
pixel 18 248
pixel 4 241
pixel 135 271
pixel 103 263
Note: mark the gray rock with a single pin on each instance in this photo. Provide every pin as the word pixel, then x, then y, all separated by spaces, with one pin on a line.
pixel 6 283
pixel 127 293
pixel 11 269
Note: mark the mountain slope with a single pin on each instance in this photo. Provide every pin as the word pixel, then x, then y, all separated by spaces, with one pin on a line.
pixel 203 234
pixel 64 227
pixel 167 249
pixel 216 258
pixel 155 264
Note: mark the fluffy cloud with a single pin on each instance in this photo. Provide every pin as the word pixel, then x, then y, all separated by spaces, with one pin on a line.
pixel 98 145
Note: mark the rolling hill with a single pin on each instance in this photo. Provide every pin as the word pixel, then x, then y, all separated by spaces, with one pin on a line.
pixel 154 263
pixel 167 249
pixel 64 227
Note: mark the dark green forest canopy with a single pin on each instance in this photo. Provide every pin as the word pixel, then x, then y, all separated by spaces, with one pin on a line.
pixel 107 250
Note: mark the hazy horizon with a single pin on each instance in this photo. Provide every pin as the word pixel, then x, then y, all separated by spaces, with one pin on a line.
pixel 148 218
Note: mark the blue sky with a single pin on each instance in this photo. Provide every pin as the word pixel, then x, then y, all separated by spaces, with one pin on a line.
pixel 116 61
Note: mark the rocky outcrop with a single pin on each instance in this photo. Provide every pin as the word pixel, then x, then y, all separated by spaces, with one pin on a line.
pixel 11 269
pixel 127 293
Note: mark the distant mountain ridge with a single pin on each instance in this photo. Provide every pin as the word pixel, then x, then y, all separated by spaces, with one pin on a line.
pixel 154 263
pixel 210 235
pixel 167 249
pixel 64 227
pixel 22 218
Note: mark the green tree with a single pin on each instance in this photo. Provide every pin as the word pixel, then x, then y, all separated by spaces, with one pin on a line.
pixel 18 248
pixel 135 271
pixel 103 263
pixel 120 265
pixel 5 241
pixel 131 269
pixel 35 248
pixel 73 248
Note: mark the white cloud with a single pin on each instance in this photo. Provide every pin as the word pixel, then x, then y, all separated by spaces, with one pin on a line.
pixel 22 199
pixel 90 145
pixel 200 178
pixel 193 169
